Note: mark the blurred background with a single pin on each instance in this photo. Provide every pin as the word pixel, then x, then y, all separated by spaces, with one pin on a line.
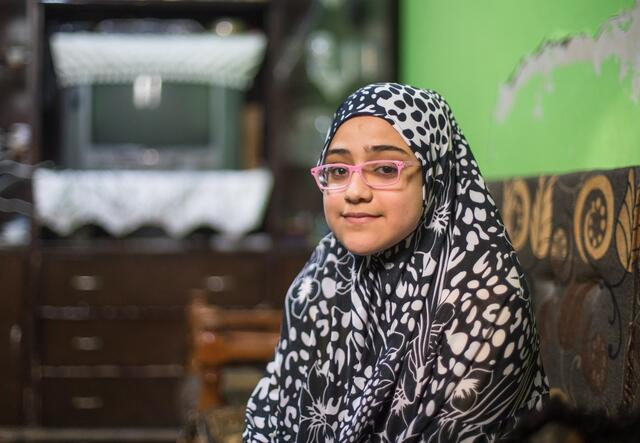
pixel 154 153
pixel 537 87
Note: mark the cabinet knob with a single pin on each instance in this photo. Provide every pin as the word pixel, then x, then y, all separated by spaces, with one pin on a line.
pixel 87 403
pixel 87 343
pixel 219 283
pixel 86 282
pixel 15 337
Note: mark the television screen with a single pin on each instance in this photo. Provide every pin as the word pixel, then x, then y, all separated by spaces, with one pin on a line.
pixel 174 116
pixel 153 125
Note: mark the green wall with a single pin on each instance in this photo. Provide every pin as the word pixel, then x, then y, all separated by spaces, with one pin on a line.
pixel 573 119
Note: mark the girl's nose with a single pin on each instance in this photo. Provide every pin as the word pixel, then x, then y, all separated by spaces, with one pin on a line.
pixel 357 190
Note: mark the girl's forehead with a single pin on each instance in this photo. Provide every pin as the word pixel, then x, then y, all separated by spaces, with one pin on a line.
pixel 368 133
pixel 369 124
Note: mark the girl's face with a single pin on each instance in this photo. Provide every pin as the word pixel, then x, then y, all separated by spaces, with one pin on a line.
pixel 367 220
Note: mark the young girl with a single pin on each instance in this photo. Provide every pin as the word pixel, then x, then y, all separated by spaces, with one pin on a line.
pixel 411 321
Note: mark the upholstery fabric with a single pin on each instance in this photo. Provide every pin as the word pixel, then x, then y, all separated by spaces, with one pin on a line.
pixel 578 236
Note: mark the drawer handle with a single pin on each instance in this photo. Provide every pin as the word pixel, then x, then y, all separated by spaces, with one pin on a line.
pixel 15 337
pixel 87 403
pixel 86 282
pixel 219 283
pixel 87 343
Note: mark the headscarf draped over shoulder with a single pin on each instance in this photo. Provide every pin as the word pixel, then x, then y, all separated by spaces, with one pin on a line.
pixel 431 340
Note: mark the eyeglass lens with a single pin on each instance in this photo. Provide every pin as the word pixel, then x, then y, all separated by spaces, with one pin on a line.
pixel 374 174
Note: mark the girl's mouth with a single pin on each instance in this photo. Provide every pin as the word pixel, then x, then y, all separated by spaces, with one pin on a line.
pixel 359 217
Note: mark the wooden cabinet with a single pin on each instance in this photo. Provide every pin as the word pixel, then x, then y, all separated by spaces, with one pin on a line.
pixel 111 338
pixel 12 281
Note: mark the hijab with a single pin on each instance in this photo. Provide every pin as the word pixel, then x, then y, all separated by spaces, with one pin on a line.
pixel 431 340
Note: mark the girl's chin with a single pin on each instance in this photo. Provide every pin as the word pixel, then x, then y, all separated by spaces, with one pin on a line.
pixel 368 244
pixel 363 248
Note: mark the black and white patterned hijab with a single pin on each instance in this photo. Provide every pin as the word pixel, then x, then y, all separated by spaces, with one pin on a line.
pixel 432 340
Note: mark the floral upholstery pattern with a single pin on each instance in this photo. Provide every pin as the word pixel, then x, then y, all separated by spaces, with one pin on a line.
pixel 578 239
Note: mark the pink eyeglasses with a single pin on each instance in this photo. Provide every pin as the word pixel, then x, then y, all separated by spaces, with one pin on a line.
pixel 376 174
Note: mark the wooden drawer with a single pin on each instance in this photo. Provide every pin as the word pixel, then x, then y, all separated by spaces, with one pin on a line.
pixel 111 402
pixel 118 342
pixel 146 279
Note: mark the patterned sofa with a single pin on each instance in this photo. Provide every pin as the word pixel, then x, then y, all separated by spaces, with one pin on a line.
pixel 578 238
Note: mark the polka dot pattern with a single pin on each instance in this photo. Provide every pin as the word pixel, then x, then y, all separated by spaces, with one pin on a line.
pixel 431 340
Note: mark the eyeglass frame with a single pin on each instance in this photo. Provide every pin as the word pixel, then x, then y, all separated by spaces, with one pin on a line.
pixel 400 164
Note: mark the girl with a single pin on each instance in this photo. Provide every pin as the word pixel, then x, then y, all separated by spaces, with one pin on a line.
pixel 411 321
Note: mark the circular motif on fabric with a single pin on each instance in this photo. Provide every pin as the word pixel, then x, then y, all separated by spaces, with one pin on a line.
pixel 541 222
pixel 516 209
pixel 560 255
pixel 628 243
pixel 595 362
pixel 559 245
pixel 593 218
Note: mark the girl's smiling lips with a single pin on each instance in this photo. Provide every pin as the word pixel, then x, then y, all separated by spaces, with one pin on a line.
pixel 359 217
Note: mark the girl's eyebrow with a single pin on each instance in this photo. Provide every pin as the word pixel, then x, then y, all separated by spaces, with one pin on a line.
pixel 373 148
pixel 381 148
pixel 338 151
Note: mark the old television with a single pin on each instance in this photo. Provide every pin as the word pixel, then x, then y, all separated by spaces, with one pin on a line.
pixel 151 124
pixel 152 94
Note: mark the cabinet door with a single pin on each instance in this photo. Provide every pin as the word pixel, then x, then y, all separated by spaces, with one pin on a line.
pixel 12 268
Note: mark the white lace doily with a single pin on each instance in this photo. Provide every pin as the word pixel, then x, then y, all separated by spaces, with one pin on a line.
pixel 85 58
pixel 231 202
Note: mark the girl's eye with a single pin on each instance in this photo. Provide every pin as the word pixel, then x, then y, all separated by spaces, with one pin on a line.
pixel 337 171
pixel 390 169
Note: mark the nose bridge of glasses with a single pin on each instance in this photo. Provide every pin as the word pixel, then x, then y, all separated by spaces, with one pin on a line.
pixel 360 169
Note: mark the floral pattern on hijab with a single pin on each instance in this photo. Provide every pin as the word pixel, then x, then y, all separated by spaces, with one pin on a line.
pixel 431 340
